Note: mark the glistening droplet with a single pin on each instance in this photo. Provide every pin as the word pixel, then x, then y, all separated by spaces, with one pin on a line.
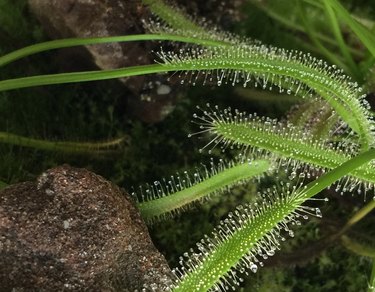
pixel 254 268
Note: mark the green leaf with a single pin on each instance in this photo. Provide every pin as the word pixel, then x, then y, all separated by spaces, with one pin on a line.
pixel 167 197
pixel 251 233
pixel 298 148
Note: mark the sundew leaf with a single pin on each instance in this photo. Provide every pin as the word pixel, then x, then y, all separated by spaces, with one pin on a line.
pixel 174 194
pixel 252 233
pixel 269 67
pixel 173 20
pixel 298 148
pixel 241 242
pixel 173 16
pixel 258 65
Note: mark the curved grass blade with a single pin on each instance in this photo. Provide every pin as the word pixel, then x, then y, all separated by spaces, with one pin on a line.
pixel 358 248
pixel 72 42
pixel 332 57
pixel 272 9
pixel 62 146
pixel 364 34
pixel 64 78
pixel 341 42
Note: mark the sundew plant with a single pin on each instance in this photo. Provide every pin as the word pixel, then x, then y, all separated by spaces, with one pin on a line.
pixel 327 141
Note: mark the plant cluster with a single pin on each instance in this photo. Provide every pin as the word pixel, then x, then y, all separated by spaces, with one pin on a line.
pixel 315 149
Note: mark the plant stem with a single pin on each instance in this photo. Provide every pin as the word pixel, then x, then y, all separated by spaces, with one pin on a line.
pixel 327 179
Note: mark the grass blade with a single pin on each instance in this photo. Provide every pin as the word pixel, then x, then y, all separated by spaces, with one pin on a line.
pixel 72 42
pixel 364 34
pixel 62 146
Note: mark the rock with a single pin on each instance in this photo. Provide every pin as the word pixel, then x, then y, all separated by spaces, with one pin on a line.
pixel 94 18
pixel 74 231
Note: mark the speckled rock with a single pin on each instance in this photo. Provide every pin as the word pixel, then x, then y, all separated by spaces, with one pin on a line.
pixel 74 231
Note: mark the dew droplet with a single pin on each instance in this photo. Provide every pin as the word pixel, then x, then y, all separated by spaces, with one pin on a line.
pixel 318 213
pixel 254 268
pixel 271 252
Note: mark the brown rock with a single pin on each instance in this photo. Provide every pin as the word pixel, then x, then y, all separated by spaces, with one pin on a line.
pixel 94 18
pixel 74 231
